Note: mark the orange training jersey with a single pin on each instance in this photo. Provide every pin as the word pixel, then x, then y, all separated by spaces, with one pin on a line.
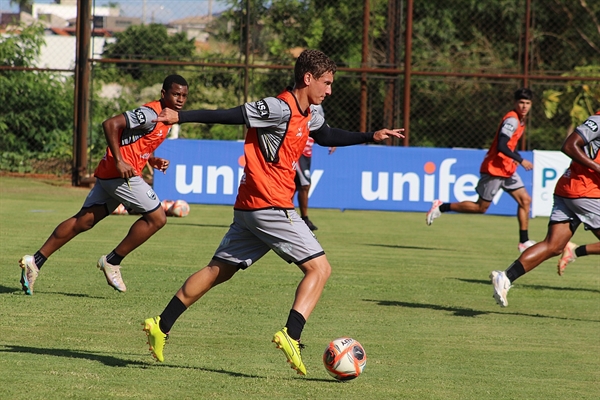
pixel 579 181
pixel 137 142
pixel 277 135
pixel 496 163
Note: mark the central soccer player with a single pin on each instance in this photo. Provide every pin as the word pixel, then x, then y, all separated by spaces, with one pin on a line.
pixel 264 217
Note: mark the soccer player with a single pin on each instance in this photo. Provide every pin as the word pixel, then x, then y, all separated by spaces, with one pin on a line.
pixel 264 217
pixel 576 201
pixel 499 171
pixel 132 138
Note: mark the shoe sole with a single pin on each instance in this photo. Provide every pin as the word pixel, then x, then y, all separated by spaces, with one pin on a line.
pixel 24 281
pixel 277 341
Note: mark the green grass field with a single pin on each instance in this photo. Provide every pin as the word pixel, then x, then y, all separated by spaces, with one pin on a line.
pixel 418 298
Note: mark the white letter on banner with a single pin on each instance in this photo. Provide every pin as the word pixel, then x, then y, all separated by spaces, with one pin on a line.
pixel 212 177
pixel 382 186
pixel 466 183
pixel 314 180
pixel 414 186
pixel 180 179
pixel 446 179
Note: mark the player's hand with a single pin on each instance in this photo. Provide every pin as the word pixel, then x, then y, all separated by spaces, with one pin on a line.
pixel 527 165
pixel 167 116
pixel 158 163
pixel 331 150
pixel 126 171
pixel 384 134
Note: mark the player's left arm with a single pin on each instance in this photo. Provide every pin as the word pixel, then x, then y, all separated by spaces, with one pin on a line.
pixel 158 163
pixel 573 147
pixel 335 137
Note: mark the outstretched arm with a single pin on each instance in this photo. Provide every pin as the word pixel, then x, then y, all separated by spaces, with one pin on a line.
pixel 335 137
pixel 232 116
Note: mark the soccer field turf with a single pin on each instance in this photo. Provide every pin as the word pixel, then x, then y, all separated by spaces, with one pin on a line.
pixel 418 299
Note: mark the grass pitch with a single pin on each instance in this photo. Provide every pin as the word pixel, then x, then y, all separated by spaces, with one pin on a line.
pixel 418 299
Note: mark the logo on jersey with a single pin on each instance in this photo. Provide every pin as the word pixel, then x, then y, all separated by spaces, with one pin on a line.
pixel 140 116
pixel 592 125
pixel 263 109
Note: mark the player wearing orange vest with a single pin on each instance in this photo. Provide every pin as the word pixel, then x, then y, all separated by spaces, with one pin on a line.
pixel 499 171
pixel 132 136
pixel 264 217
pixel 576 201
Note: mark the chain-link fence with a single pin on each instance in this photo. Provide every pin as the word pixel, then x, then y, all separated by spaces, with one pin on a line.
pixel 446 71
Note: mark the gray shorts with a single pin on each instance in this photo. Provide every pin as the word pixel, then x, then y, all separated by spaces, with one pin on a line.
pixel 137 196
pixel 303 172
pixel 253 233
pixel 488 185
pixel 576 211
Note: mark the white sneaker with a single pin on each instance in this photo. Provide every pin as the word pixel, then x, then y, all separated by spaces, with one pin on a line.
pixel 434 212
pixel 524 246
pixel 501 287
pixel 112 274
pixel 29 273
pixel 568 256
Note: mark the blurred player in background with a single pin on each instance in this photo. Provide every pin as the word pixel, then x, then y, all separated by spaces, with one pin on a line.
pixel 576 201
pixel 303 176
pixel 499 171
pixel 132 138
pixel 264 217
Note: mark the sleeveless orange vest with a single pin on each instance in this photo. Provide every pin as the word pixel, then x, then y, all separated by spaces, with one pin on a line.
pixel 499 164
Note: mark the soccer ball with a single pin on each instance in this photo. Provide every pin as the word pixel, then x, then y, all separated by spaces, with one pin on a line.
pixel 120 210
pixel 344 359
pixel 166 205
pixel 180 208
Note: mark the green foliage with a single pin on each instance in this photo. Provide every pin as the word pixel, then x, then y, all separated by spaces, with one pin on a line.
pixel 148 42
pixel 38 119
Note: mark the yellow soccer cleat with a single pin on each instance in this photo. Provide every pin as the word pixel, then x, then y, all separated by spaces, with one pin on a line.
pixel 156 338
pixel 291 349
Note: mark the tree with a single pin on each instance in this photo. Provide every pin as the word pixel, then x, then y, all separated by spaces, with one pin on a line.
pixel 36 123
pixel 148 42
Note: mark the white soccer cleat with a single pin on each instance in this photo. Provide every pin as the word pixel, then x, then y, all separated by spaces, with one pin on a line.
pixel 501 287
pixel 112 274
pixel 434 212
pixel 524 246
pixel 568 256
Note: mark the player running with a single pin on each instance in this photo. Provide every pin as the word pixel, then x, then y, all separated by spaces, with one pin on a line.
pixel 576 201
pixel 264 217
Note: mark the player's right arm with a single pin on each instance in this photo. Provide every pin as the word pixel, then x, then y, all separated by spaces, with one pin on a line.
pixel 574 148
pixel 232 116
pixel 112 129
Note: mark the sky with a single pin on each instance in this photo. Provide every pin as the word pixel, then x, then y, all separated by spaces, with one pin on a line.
pixel 154 10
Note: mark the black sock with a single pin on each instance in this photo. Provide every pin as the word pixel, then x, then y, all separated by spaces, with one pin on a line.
pixel 114 259
pixel 445 207
pixel 295 324
pixel 581 251
pixel 515 270
pixel 172 311
pixel 39 259
pixel 523 236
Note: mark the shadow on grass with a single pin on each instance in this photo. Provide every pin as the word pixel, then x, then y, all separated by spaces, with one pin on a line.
pixel 118 362
pixel 536 287
pixel 12 289
pixel 397 246
pixel 469 312
pixel 104 359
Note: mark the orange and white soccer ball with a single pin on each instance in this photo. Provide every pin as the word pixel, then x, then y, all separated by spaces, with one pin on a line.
pixel 166 205
pixel 344 358
pixel 180 208
pixel 120 210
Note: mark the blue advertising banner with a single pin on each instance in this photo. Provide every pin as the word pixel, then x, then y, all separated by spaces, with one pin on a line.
pixel 367 177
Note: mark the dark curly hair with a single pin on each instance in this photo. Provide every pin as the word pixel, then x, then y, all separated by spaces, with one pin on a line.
pixel 315 62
